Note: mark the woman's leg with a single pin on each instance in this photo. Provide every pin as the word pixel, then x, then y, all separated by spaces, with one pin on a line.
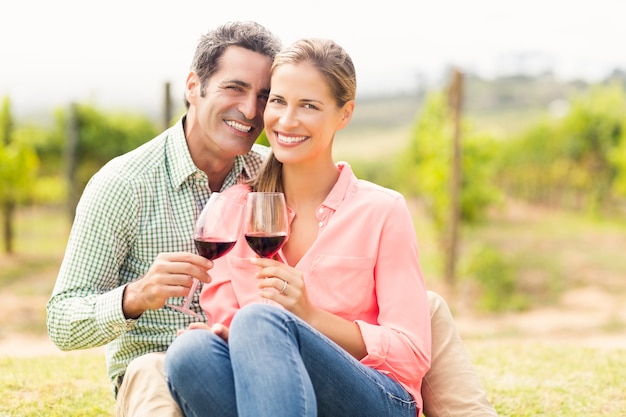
pixel 284 367
pixel 198 373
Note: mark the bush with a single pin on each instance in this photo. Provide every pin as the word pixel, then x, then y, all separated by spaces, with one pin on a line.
pixel 496 279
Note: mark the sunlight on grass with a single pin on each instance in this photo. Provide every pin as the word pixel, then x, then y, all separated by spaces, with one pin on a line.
pixel 555 251
pixel 72 385
pixel 41 230
pixel 40 238
pixel 521 379
pixel 357 145
pixel 532 379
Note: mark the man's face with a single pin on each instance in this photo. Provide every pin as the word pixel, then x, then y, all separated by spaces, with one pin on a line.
pixel 228 114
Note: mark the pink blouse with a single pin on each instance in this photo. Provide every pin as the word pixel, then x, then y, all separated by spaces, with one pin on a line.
pixel 363 266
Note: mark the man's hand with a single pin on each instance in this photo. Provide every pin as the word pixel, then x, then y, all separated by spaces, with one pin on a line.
pixel 171 275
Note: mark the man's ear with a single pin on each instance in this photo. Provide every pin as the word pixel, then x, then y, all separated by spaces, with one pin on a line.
pixel 192 86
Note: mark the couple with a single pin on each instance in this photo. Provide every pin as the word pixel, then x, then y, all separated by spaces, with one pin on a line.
pixel 131 249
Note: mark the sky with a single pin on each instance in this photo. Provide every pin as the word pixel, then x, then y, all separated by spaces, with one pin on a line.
pixel 120 53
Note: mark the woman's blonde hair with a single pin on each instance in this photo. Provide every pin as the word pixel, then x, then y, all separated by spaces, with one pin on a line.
pixel 334 63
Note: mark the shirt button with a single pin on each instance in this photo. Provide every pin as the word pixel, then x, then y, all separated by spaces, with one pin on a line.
pixel 321 210
pixel 321 224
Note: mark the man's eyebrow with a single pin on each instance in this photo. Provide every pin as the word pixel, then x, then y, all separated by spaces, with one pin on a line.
pixel 238 82
pixel 243 84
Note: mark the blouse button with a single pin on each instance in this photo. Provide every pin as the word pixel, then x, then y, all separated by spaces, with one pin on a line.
pixel 321 224
pixel 321 210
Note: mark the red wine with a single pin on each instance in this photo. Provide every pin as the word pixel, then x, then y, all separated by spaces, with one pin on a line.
pixel 266 245
pixel 213 249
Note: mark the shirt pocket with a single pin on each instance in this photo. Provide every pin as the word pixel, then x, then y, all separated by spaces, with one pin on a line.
pixel 342 285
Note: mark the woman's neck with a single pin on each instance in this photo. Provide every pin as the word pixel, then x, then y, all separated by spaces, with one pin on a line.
pixel 308 185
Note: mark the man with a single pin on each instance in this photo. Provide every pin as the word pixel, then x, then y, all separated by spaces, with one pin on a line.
pixel 131 248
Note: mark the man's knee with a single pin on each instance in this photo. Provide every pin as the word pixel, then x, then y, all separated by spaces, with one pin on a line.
pixel 148 363
pixel 144 391
pixel 452 387
pixel 436 303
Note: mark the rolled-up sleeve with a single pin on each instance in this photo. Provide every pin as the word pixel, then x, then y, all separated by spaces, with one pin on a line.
pixel 399 344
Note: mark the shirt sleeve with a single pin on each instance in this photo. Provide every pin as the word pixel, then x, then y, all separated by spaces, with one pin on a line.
pixel 399 344
pixel 85 309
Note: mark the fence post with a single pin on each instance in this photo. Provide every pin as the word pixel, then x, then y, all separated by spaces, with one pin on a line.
pixel 455 101
pixel 167 106
pixel 8 207
pixel 71 151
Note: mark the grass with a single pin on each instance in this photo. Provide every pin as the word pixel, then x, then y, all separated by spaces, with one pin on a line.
pixel 534 379
pixel 522 379
pixel 70 385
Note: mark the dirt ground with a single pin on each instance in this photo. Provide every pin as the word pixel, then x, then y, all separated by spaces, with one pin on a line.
pixel 592 312
pixel 585 316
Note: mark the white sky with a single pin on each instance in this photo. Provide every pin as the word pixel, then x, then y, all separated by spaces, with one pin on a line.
pixel 120 52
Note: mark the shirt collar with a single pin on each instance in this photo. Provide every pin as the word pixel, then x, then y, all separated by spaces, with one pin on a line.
pixel 179 162
pixel 340 190
pixel 181 166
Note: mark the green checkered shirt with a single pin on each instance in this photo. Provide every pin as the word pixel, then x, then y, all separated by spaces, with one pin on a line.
pixel 138 205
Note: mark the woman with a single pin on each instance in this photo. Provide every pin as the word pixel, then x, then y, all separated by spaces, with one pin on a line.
pixel 339 326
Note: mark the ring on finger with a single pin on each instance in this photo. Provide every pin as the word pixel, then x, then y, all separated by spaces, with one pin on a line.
pixel 282 290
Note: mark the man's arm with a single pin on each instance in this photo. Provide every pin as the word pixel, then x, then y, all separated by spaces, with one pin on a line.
pixel 85 309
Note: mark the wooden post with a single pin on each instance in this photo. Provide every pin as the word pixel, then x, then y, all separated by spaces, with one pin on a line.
pixel 8 206
pixel 167 106
pixel 71 150
pixel 455 99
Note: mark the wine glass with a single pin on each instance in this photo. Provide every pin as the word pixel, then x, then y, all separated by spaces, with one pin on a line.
pixel 215 233
pixel 267 224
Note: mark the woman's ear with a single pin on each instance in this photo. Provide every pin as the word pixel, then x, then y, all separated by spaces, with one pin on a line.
pixel 346 114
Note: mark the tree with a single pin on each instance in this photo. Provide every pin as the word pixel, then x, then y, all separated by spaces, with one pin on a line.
pixel 426 167
pixel 576 161
pixel 18 167
pixel 99 137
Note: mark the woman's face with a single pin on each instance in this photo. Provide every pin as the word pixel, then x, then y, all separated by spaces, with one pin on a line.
pixel 301 116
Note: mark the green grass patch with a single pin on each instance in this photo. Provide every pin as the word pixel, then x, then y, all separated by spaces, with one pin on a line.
pixel 72 385
pixel 40 239
pixel 521 378
pixel 533 379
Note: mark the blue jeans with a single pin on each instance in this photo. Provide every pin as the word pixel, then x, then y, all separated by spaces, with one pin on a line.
pixel 274 365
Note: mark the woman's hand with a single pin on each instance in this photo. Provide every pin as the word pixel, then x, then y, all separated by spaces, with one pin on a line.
pixel 285 285
pixel 194 326
pixel 218 329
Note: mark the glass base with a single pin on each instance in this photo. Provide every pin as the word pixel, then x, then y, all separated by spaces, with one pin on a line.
pixel 184 310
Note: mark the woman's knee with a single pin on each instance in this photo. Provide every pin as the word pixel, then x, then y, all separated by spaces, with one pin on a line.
pixel 180 354
pixel 257 321
pixel 253 315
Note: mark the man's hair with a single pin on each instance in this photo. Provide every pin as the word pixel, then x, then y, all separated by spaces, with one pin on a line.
pixel 249 35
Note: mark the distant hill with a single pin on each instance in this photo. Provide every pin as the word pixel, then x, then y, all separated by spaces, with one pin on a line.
pixel 505 104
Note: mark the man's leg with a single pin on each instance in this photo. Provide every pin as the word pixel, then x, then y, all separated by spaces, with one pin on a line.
pixel 451 388
pixel 144 392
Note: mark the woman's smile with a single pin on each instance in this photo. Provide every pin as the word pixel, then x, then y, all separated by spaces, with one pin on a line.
pixel 290 139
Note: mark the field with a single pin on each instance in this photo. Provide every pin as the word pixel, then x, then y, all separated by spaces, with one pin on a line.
pixel 563 356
